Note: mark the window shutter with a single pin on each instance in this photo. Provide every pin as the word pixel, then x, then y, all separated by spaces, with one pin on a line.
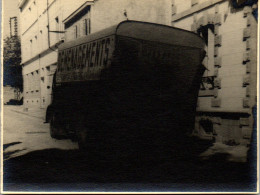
pixel 88 22
pixel 75 31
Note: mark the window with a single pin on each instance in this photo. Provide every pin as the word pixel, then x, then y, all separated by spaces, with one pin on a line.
pixel 57 19
pixel 86 28
pixel 207 33
pixel 207 84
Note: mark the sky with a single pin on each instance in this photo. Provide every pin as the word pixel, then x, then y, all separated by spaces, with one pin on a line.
pixel 9 9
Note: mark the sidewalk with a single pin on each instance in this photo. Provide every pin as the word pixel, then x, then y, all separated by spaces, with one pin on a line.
pixel 236 153
pixel 33 112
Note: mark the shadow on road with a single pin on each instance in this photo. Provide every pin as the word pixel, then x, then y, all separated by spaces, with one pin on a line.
pixel 70 166
pixel 7 155
pixel 5 146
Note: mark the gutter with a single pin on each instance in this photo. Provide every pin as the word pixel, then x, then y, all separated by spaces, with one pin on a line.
pixel 43 53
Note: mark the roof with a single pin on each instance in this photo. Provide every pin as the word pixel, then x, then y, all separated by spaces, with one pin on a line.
pixel 144 31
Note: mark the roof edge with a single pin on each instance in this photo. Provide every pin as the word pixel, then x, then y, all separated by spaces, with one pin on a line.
pixel 84 5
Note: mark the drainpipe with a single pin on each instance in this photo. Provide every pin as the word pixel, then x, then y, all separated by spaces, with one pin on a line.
pixel 48 27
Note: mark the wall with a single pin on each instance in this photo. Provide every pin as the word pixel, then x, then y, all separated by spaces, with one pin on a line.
pixel 83 26
pixel 108 13
pixel 39 61
pixel 228 105
pixel 104 14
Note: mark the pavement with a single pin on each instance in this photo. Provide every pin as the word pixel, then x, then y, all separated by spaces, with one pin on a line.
pixel 25 131
pixel 235 153
pixel 33 112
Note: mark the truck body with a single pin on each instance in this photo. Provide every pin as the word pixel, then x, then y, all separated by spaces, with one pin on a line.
pixel 133 84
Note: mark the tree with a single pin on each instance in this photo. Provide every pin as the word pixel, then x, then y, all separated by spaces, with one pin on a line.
pixel 12 61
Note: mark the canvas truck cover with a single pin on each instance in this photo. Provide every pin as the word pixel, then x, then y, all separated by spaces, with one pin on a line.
pixel 84 58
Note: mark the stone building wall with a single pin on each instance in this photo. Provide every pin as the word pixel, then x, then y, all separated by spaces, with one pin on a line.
pixel 228 91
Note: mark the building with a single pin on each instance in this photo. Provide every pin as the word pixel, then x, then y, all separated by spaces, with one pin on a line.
pixel 101 14
pixel 229 88
pixel 228 91
pixel 13 26
pixel 41 32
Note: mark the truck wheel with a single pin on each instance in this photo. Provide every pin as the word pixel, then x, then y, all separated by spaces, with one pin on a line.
pixel 54 127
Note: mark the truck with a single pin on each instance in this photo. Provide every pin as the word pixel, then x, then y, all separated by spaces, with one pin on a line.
pixel 133 85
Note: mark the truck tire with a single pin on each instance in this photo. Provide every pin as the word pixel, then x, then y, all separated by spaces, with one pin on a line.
pixel 54 126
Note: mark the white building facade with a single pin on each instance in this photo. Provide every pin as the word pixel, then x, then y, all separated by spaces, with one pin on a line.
pixel 105 13
pixel 41 32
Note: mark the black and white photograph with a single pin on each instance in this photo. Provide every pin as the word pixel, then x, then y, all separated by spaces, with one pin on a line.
pixel 129 96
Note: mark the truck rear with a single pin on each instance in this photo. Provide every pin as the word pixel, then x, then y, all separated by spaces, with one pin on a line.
pixel 129 88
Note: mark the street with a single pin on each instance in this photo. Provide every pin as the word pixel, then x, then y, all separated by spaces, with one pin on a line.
pixel 24 134
pixel 33 161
